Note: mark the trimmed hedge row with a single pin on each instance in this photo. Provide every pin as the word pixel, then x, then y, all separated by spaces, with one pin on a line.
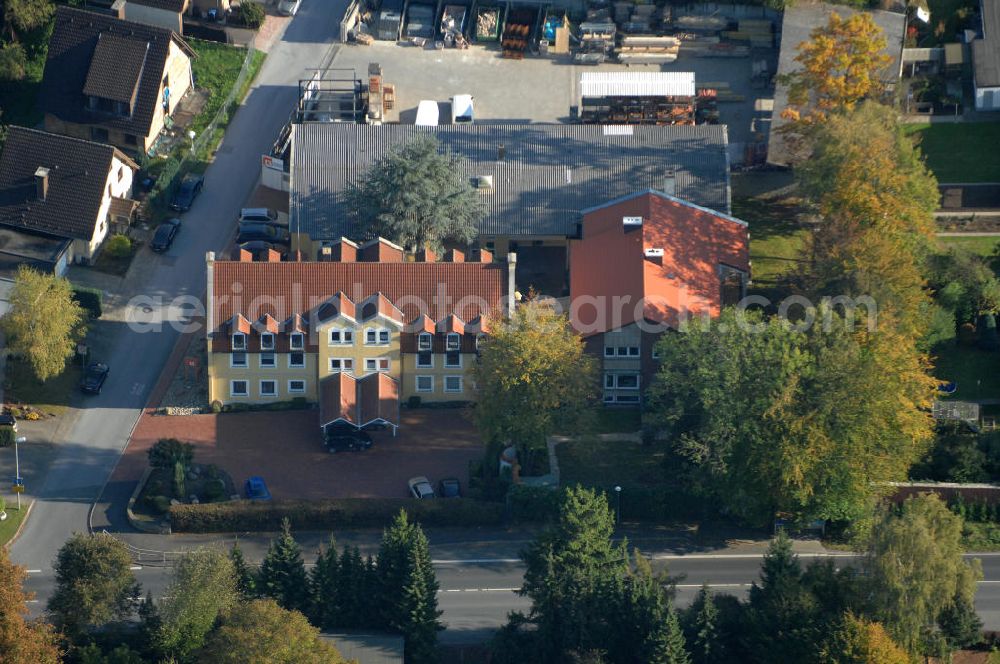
pixel 330 514
pixel 657 504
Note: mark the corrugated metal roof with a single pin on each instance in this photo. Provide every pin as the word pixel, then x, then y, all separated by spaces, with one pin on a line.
pixel 543 175
pixel 637 84
pixel 799 21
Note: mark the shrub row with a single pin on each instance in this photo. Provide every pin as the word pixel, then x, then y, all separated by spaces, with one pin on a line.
pixel 330 514
pixel 90 299
pixel 656 504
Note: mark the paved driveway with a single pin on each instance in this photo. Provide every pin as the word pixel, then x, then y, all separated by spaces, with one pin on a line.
pixel 285 448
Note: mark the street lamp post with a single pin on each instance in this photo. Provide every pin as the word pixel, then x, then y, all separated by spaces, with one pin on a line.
pixel 618 501
pixel 17 470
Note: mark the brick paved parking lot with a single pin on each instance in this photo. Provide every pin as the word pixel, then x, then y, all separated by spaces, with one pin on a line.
pixel 286 449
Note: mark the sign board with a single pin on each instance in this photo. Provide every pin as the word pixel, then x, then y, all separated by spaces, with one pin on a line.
pixel 275 164
pixel 18 488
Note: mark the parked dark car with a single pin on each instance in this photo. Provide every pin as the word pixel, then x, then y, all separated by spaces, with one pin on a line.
pixel 8 421
pixel 450 487
pixel 348 441
pixel 256 488
pixel 93 377
pixel 263 233
pixel 165 234
pixel 187 191
pixel 259 249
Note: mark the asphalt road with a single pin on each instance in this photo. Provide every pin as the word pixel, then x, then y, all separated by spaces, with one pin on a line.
pixel 90 450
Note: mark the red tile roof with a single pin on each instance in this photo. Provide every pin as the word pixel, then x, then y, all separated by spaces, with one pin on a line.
pixel 359 401
pixel 283 289
pixel 378 397
pixel 668 264
pixel 338 399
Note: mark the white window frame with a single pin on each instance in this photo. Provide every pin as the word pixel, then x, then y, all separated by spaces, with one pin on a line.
pixel 421 338
pixel 342 360
pixel 292 390
pixel 384 331
pixel 238 341
pixel 479 340
pixel 297 341
pixel 291 365
pixel 373 336
pixel 260 386
pixel 346 336
pixel 429 355
pixel 417 384
pixel 460 384
pixel 655 353
pixel 453 337
pixel 609 351
pixel 373 364
pixel 448 365
pixel 234 393
pixel 613 378
pixel 635 353
pixel 274 360
pixel 269 339
pixel 232 360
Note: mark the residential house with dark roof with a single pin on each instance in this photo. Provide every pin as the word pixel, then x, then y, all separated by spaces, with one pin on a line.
pixel 643 264
pixel 112 81
pixel 356 334
pixel 60 197
pixel 800 19
pixel 166 14
pixel 534 179
pixel 986 58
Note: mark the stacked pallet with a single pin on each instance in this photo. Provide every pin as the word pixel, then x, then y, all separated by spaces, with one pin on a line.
pixel 758 33
pixel 719 92
pixel 648 49
pixel 515 35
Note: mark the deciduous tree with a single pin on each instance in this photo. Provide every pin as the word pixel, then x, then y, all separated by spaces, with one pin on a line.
pixel 203 588
pixel 532 378
pixel 916 569
pixel 860 641
pixel 94 584
pixel 282 574
pixel 43 322
pixel 21 640
pixel 408 588
pixel 262 631
pixel 841 64
pixel 417 195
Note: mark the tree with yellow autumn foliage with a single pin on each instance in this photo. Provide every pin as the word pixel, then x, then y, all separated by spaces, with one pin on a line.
pixel 860 641
pixel 21 640
pixel 841 64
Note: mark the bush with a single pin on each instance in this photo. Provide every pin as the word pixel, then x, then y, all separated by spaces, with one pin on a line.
pixel 167 452
pixel 179 489
pixel 118 246
pixel 216 407
pixel 90 299
pixel 251 14
pixel 215 491
pixel 657 504
pixel 967 334
pixel 158 504
pixel 330 514
pixel 7 435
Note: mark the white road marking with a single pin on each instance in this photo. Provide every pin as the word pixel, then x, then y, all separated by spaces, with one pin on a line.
pixel 479 590
pixel 34 571
pixel 135 567
pixel 724 556
pixel 476 561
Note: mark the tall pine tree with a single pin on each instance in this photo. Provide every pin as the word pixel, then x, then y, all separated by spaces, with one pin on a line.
pixel 703 633
pixel 324 582
pixel 670 645
pixel 409 589
pixel 283 574
pixel 246 583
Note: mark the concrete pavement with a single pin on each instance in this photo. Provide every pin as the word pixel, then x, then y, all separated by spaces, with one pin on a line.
pixel 89 451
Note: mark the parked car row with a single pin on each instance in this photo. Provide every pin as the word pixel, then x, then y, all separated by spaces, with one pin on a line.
pixel 421 488
pixel 260 231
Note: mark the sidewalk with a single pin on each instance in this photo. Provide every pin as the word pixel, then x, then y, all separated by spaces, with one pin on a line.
pixel 454 544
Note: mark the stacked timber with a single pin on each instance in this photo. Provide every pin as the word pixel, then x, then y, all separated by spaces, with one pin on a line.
pixel 758 33
pixel 516 34
pixel 648 49
pixel 699 23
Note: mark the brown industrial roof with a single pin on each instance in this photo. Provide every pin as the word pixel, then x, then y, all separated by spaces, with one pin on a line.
pixel 115 68
pixel 77 172
pixel 283 289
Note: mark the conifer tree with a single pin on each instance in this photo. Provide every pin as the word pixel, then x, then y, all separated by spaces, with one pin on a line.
pixel 704 638
pixel 324 582
pixel 246 583
pixel 671 648
pixel 283 574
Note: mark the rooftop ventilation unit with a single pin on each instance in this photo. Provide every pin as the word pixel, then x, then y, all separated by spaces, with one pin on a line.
pixel 631 221
pixel 654 252
pixel 483 182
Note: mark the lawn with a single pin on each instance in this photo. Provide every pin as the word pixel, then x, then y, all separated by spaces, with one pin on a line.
pixel 777 239
pixel 960 152
pixel 601 463
pixel 974 370
pixel 51 397
pixel 984 246
pixel 14 519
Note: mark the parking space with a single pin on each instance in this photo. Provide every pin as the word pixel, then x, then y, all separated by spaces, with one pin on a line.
pixel 286 449
pixel 536 89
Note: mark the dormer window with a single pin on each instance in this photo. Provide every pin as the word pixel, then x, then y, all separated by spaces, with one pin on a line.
pixel 424 341
pixel 454 341
pixel 267 341
pixel 376 336
pixel 239 341
pixel 296 341
pixel 480 340
pixel 339 336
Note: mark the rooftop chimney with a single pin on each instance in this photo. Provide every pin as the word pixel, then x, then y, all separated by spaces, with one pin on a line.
pixel 41 183
pixel 454 256
pixel 273 256
pixel 669 183
pixel 501 152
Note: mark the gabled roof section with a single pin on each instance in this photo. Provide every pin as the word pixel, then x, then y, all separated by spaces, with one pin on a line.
pixel 652 257
pixel 337 306
pixel 295 323
pixel 116 68
pixel 542 175
pixel 424 324
pixel 451 323
pixel 338 400
pixel 267 323
pixel 478 325
pixel 77 174
pixel 239 324
pixel 76 61
pixel 379 305
pixel 378 396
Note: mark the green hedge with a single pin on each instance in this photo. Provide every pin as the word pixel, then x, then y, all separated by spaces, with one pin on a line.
pixel 91 299
pixel 657 504
pixel 330 514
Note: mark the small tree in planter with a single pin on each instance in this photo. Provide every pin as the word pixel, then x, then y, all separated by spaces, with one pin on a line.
pixel 167 452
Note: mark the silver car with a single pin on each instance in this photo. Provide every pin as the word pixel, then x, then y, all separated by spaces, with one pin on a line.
pixel 420 487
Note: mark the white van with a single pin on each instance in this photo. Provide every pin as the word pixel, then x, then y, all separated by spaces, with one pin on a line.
pixel 427 113
pixel 461 109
